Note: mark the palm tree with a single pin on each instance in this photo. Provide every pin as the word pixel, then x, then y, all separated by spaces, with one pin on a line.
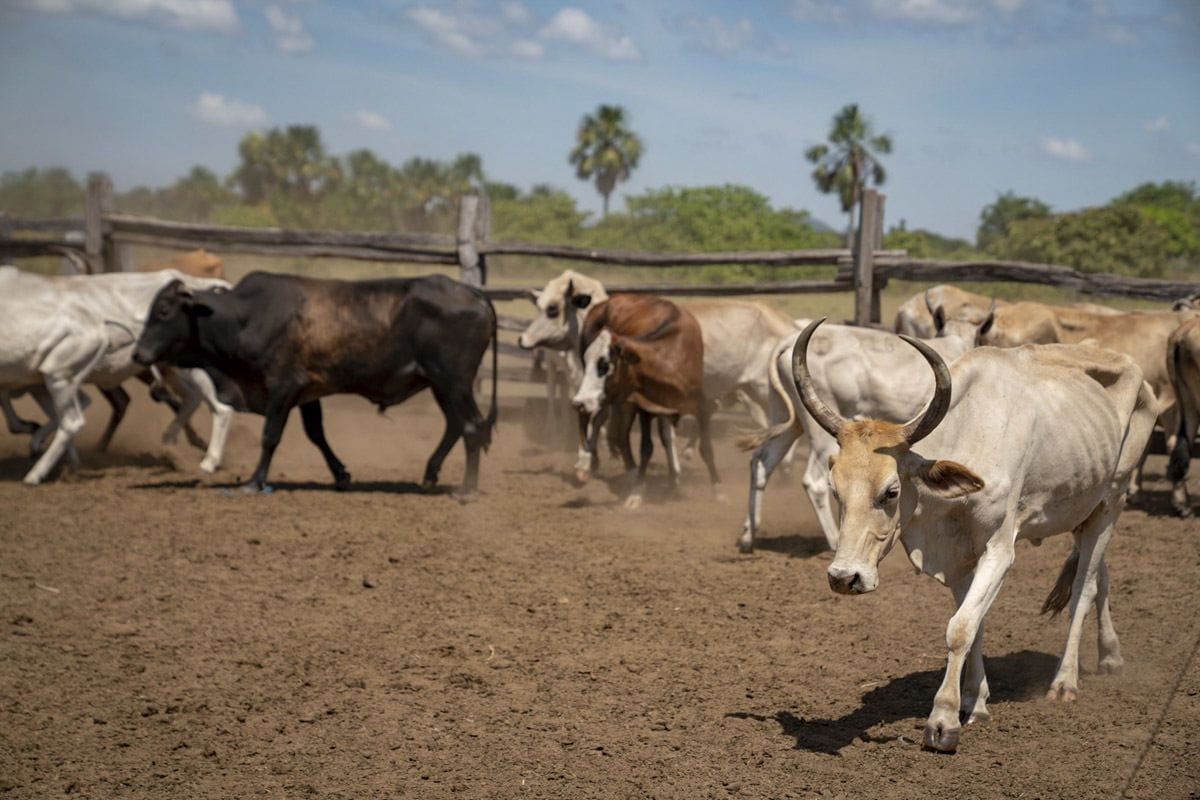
pixel 606 149
pixel 849 160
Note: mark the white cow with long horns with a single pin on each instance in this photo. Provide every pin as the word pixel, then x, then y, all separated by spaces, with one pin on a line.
pixel 1028 443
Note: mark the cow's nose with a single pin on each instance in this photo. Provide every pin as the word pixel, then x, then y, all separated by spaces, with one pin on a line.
pixel 844 581
pixel 142 358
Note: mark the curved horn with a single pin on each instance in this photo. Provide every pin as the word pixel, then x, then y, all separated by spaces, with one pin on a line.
pixel 921 426
pixel 826 417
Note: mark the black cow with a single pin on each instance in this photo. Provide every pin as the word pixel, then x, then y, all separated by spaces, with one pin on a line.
pixel 285 341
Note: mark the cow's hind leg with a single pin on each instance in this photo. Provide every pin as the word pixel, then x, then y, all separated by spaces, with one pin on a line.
pixel 666 434
pixel 462 420
pixel 1091 540
pixel 633 500
pixel 314 428
pixel 15 424
pixel 1110 647
pixel 118 398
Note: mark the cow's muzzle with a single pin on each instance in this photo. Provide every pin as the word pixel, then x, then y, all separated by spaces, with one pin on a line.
pixel 849 581
pixel 140 356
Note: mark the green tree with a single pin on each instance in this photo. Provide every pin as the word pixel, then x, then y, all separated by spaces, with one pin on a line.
pixel 49 192
pixel 287 168
pixel 544 214
pixel 605 149
pixel 850 160
pixel 996 219
pixel 1114 239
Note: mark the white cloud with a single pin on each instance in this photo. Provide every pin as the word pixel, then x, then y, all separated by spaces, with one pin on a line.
pixel 215 109
pixel 372 121
pixel 199 15
pixel 448 30
pixel 1066 149
pixel 717 35
pixel 943 12
pixel 290 36
pixel 574 26
pixel 525 48
pixel 515 12
pixel 1159 125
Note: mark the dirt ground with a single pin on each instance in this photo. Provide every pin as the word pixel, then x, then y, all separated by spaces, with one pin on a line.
pixel 166 636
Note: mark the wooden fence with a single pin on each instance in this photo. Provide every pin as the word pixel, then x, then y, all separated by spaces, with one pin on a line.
pixel 100 241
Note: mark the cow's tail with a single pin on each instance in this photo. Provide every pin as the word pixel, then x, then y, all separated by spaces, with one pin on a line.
pixel 756 439
pixel 1060 595
pixel 1181 453
pixel 494 411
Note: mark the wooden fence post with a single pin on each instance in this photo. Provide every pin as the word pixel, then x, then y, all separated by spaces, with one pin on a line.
pixel 864 258
pixel 470 262
pixel 101 252
pixel 877 283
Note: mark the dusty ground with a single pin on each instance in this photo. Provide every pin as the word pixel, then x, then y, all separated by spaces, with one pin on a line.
pixel 164 636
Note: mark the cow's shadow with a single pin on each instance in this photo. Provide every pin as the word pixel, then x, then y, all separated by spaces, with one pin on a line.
pixel 1014 677
pixel 355 487
pixel 795 545
pixel 93 466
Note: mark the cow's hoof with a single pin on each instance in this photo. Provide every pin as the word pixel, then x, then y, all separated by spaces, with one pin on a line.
pixel 464 495
pixel 1064 693
pixel 745 546
pixel 582 475
pixel 1110 665
pixel 428 486
pixel 941 738
pixel 208 467
pixel 633 502
pixel 256 488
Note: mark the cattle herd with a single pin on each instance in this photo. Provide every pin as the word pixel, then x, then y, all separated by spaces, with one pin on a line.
pixel 983 422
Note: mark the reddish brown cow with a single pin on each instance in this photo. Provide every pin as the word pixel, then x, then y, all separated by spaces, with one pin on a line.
pixel 198 263
pixel 649 352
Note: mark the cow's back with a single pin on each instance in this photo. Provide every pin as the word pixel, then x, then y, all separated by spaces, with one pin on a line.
pixel 739 337
pixel 1054 428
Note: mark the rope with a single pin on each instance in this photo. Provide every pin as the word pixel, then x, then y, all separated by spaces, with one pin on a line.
pixel 1137 765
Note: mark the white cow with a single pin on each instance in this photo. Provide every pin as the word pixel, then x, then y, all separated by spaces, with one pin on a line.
pixel 1029 442
pixel 862 372
pixel 59 332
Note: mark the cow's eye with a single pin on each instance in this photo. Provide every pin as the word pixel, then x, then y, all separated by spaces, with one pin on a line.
pixel 602 367
pixel 552 312
pixel 889 494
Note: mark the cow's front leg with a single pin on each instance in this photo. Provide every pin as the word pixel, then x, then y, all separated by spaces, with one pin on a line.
pixel 973 706
pixel 666 434
pixel 762 463
pixel 314 428
pixel 943 727
pixel 587 460
pixel 276 420
pixel 118 398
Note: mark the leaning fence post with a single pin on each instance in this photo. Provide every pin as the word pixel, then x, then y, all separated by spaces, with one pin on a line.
pixel 864 258
pixel 469 260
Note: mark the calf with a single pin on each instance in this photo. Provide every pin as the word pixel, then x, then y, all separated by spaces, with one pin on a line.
pixel 987 473
pixel 649 352
pixel 287 341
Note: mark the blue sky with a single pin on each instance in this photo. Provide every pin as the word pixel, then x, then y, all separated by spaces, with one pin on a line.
pixel 1068 101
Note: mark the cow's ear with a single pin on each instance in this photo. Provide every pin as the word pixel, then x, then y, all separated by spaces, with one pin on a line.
pixel 581 300
pixel 180 289
pixel 939 319
pixel 535 296
pixel 948 479
pixel 987 323
pixel 623 350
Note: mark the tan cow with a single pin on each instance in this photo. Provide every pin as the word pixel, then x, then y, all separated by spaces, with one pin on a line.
pixel 976 471
pixel 1141 335
pixel 917 316
pixel 197 263
pixel 1183 363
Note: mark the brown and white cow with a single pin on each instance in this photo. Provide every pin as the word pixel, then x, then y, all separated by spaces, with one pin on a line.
pixel 197 263
pixel 976 471
pixel 1183 363
pixel 649 352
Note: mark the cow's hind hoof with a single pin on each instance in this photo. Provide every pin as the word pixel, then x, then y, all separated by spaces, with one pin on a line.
pixel 254 488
